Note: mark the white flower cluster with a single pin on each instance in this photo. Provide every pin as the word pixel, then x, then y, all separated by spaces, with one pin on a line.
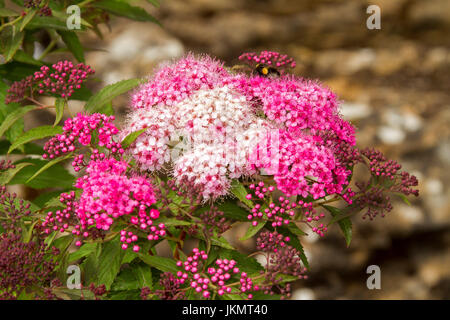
pixel 207 138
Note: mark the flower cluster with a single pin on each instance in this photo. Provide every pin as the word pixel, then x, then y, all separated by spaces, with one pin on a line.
pixel 23 264
pixel 281 211
pixel 216 276
pixel 170 288
pixel 12 210
pixel 207 136
pixel 6 164
pixel 108 193
pixel 209 125
pixel 79 130
pixel 62 79
pixel 281 259
pixel 44 10
pixel 270 58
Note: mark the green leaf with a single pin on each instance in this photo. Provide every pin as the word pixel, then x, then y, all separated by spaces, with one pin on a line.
pixel 294 242
pixel 7 175
pixel 221 242
pixel 73 294
pixel 48 199
pixel 62 243
pixel 46 23
pixel 239 191
pixel 90 265
pixel 252 230
pixel 160 263
pixel 126 280
pixel 129 139
pixel 48 165
pixel 171 222
pixel 342 213
pixel 60 104
pixel 29 148
pixel 13 45
pixel 154 2
pixel 109 262
pixel 245 263
pixel 36 134
pixel 403 197
pixel 24 57
pixel 84 251
pixel 15 70
pixel 108 93
pixel 123 9
pixel 107 109
pixel 73 43
pixel 12 117
pixel 56 176
pixel 345 224
pixel 143 274
pixel 233 211
pixel 28 17
pixel 296 230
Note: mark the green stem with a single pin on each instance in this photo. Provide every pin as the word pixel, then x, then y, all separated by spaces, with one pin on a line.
pixel 47 50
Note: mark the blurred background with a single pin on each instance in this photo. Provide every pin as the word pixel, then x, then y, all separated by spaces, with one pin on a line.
pixel 394 84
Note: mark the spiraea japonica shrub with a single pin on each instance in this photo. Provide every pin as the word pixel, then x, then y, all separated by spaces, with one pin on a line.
pixel 203 149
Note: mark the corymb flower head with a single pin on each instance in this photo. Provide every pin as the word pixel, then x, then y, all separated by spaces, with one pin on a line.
pixel 208 125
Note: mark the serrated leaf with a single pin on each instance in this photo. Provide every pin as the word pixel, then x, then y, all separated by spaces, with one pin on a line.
pixel 7 175
pixel 252 230
pixel 36 134
pixel 109 262
pixel 22 56
pixel 73 294
pixel 403 197
pixel 245 263
pixel 143 274
pixel 125 10
pixel 126 280
pixel 296 230
pixel 48 165
pixel 171 222
pixel 28 17
pixel 60 104
pixel 56 176
pixel 84 251
pixel 108 93
pixel 73 43
pixel 12 117
pixel 129 139
pixel 239 191
pixel 295 242
pixel 345 224
pixel 46 22
pixel 160 263
pixel 233 211
pixel 13 45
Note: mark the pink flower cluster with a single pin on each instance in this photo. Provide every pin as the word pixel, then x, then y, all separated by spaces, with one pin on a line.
pixel 79 130
pixel 60 220
pixel 62 79
pixel 270 58
pixel 108 194
pixel 210 126
pixel 174 82
pixel 281 211
pixel 216 277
